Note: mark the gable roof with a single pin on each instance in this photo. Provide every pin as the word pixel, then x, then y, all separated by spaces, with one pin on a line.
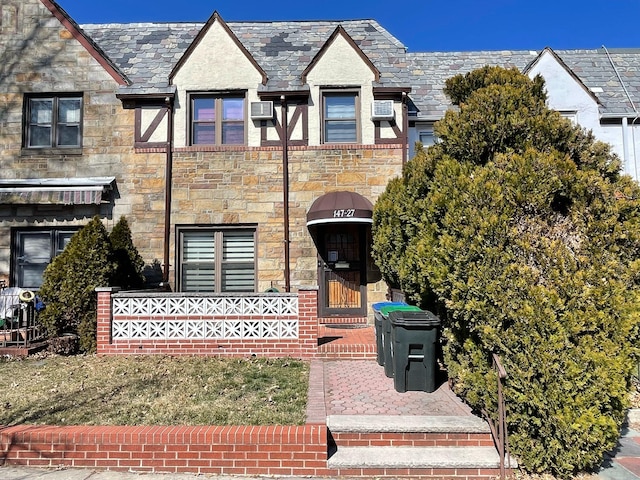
pixel 554 55
pixel 616 72
pixel 94 50
pixel 339 31
pixel 216 18
pixel 147 53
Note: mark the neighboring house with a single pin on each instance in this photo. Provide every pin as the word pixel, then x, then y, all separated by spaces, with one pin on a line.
pixel 245 155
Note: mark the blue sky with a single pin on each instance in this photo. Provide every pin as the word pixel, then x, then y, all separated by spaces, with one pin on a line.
pixel 423 25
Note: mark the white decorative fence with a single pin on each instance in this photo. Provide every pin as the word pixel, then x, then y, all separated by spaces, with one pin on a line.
pixel 275 324
pixel 163 317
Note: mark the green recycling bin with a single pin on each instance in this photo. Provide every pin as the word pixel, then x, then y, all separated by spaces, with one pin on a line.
pixel 377 315
pixel 387 346
pixel 413 338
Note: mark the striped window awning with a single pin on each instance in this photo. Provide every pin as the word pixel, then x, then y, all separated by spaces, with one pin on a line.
pixel 55 191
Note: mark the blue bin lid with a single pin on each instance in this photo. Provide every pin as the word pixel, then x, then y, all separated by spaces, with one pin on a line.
pixel 379 305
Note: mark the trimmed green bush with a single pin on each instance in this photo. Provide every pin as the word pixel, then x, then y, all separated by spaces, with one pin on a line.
pixel 520 229
pixel 130 264
pixel 69 284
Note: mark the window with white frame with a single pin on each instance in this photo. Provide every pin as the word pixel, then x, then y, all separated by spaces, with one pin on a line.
pixel 426 136
pixel 571 115
pixel 217 119
pixel 340 117
pixel 33 250
pixel 53 121
pixel 217 259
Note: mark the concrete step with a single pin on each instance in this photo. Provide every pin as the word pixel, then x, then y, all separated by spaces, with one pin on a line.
pixel 415 458
pixel 399 446
pixel 407 423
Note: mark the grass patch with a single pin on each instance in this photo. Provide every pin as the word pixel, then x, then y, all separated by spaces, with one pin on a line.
pixel 153 390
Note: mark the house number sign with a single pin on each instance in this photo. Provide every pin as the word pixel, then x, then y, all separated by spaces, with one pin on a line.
pixel 344 213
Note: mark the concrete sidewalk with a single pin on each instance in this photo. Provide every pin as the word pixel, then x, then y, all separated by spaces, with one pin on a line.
pixel 624 462
pixel 24 473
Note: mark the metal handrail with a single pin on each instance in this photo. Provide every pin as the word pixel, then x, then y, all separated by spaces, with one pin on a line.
pixel 499 432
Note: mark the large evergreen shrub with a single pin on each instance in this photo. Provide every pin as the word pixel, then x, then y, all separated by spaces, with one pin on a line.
pixel 519 226
pixel 130 264
pixel 70 280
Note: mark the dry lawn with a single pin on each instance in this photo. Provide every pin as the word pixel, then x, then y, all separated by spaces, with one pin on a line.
pixel 152 390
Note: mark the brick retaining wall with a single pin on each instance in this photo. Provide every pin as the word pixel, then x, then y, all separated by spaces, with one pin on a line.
pixel 243 450
pixel 299 450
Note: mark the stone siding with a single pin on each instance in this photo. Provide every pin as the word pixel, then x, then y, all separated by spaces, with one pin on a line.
pixel 244 186
pixel 39 55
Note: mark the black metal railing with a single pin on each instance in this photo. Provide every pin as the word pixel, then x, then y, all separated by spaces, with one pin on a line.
pixel 18 318
pixel 499 426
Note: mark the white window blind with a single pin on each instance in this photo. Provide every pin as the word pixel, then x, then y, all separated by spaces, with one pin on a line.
pixel 218 260
pixel 198 261
pixel 238 262
pixel 340 118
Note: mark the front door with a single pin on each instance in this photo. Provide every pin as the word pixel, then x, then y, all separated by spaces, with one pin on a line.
pixel 342 271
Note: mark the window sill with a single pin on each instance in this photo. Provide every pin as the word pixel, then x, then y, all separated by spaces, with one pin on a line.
pixel 26 152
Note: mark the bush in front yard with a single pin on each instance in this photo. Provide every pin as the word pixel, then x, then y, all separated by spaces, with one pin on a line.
pixel 128 274
pixel 520 225
pixel 68 289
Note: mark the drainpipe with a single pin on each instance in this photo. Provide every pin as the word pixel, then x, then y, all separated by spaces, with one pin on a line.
pixel 624 123
pixel 633 147
pixel 625 146
pixel 285 191
pixel 167 192
pixel 405 129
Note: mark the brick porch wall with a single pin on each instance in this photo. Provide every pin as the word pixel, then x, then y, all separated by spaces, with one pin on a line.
pixel 305 345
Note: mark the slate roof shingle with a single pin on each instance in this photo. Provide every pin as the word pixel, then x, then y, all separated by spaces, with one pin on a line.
pixel 147 52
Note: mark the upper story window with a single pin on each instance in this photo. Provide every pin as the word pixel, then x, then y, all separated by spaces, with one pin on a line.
pixel 570 115
pixel 426 136
pixel 53 121
pixel 340 117
pixel 217 119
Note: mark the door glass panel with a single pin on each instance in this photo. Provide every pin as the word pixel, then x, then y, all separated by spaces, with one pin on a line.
pixel 342 246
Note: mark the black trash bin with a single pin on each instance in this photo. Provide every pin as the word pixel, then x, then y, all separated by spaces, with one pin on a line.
pixel 413 337
pixel 377 315
pixel 387 346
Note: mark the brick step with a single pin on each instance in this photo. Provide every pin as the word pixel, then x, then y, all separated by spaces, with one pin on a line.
pixel 347 352
pixel 410 439
pixel 347 342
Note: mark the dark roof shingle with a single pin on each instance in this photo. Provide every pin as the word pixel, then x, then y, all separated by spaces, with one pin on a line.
pixel 147 52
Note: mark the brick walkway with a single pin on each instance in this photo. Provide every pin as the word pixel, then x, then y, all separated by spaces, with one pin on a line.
pixel 360 387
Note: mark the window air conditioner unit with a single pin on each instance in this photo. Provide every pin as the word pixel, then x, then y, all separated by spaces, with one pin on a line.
pixel 261 110
pixel 382 110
